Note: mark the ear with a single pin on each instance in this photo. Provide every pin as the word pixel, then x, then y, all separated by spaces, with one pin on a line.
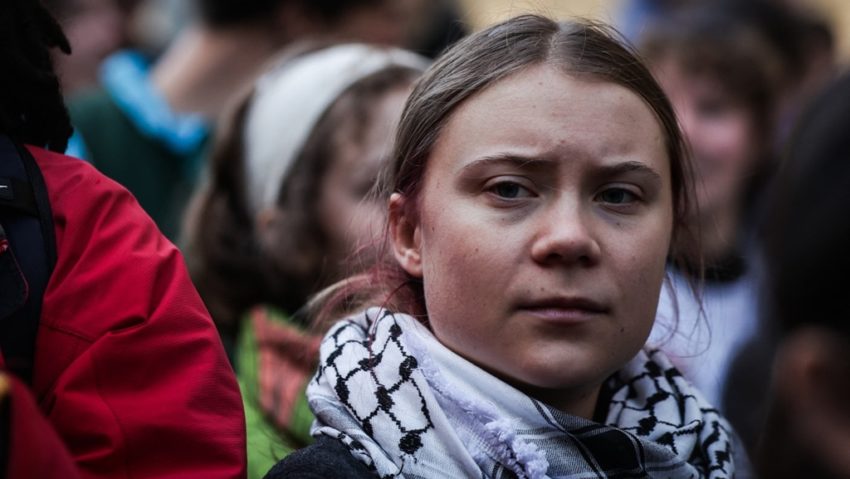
pixel 405 236
pixel 812 373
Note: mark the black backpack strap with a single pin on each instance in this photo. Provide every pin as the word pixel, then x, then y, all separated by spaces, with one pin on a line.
pixel 27 255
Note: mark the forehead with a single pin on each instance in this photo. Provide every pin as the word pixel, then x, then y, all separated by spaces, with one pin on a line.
pixel 542 111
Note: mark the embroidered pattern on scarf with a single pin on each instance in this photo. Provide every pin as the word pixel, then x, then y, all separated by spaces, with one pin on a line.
pixel 406 406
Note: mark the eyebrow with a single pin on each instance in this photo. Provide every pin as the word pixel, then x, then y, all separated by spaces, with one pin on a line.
pixel 630 167
pixel 510 159
pixel 536 162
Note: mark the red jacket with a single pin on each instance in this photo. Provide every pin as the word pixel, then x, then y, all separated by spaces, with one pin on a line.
pixel 129 369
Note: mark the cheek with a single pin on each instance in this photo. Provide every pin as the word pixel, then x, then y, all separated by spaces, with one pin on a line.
pixel 448 271
pixel 327 208
pixel 459 261
pixel 730 142
pixel 642 265
pixel 342 219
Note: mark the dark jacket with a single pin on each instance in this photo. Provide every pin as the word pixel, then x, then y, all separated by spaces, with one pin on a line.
pixel 327 458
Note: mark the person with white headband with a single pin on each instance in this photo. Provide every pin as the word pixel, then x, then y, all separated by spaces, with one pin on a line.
pixel 285 212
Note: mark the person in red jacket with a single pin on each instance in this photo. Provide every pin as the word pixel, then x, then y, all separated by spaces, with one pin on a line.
pixel 129 377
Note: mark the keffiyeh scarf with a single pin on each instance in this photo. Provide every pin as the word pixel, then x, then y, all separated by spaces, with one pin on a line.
pixel 407 406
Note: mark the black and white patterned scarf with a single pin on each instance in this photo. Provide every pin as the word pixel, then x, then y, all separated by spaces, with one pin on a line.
pixel 409 407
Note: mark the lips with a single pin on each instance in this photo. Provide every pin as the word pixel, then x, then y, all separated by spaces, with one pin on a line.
pixel 564 309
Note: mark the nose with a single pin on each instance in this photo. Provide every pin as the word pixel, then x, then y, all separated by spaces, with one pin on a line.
pixel 565 236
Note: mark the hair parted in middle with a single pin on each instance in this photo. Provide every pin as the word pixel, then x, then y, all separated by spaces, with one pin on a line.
pixel 579 48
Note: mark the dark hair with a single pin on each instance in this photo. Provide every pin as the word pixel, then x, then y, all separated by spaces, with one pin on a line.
pixel 32 109
pixel 712 41
pixel 806 238
pixel 793 32
pixel 807 233
pixel 578 48
pixel 235 269
pixel 61 9
pixel 224 13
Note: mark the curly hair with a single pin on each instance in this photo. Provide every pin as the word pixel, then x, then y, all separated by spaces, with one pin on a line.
pixel 32 109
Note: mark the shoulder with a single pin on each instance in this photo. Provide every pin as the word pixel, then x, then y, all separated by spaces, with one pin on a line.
pixel 112 261
pixel 119 306
pixel 327 458
pixel 92 210
pixel 66 177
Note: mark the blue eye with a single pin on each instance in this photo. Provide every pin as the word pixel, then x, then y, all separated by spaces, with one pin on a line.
pixel 617 196
pixel 507 190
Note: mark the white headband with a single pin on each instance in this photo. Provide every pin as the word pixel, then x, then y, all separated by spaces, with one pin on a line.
pixel 289 100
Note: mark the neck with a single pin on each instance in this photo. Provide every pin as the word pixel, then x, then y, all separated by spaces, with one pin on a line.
pixel 205 67
pixel 577 403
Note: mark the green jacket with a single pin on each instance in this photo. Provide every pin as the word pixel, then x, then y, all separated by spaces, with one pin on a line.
pixel 275 359
pixel 128 132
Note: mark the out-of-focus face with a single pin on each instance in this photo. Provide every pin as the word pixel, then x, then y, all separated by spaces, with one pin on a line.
pixel 721 133
pixel 350 220
pixel 543 225
pixel 95 29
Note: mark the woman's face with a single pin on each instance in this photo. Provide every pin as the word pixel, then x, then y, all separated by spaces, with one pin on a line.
pixel 347 217
pixel 721 132
pixel 543 225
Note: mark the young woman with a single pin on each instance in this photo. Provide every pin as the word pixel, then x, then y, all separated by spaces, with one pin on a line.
pixel 724 80
pixel 537 187
pixel 283 211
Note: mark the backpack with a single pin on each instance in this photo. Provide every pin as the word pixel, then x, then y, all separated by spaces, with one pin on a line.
pixel 27 255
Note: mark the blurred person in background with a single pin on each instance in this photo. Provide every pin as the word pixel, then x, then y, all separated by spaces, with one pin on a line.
pixel 284 213
pixel 724 80
pixel 800 35
pixel 806 238
pixel 109 363
pixel 737 72
pixel 95 29
pixel 806 44
pixel 148 125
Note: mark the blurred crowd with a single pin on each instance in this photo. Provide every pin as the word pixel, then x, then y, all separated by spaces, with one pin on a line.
pixel 252 133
